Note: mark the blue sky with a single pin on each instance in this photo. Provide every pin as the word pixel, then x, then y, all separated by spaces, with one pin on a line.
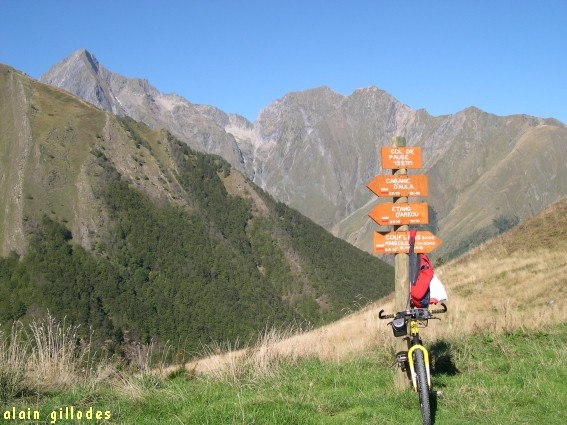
pixel 505 56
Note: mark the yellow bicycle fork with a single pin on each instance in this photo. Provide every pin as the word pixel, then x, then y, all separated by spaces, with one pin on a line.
pixel 412 368
pixel 414 332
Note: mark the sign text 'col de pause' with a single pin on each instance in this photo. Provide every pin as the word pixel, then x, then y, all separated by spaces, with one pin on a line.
pixel 396 158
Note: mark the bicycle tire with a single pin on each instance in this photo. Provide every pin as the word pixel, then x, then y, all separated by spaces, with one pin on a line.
pixel 422 386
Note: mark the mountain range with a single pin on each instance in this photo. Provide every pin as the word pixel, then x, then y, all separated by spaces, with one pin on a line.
pixel 316 151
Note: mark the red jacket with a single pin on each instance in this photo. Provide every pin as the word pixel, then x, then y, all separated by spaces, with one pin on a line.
pixel 420 290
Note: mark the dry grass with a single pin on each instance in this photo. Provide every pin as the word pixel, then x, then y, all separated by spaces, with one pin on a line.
pixel 56 355
pixel 12 357
pixel 47 355
pixel 356 333
pixel 520 290
pixel 260 360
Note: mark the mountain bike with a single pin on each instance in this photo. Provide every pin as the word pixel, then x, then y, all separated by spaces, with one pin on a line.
pixel 415 361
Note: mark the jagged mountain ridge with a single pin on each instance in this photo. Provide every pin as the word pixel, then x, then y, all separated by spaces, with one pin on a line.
pixel 316 150
pixel 199 125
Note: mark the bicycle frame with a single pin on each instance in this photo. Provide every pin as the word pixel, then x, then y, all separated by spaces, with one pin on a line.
pixel 416 359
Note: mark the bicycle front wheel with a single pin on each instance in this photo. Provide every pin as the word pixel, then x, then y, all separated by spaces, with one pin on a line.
pixel 422 386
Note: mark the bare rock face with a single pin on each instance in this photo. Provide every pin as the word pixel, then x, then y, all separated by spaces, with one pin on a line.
pixel 316 150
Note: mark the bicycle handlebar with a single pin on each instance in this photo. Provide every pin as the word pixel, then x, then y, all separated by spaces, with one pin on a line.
pixel 385 316
pixel 415 313
pixel 438 311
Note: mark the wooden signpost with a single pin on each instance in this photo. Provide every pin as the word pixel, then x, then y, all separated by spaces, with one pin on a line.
pixel 400 213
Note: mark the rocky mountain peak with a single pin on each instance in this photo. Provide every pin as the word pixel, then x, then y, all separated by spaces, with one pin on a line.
pixel 200 126
pixel 295 111
pixel 91 59
pixel 82 75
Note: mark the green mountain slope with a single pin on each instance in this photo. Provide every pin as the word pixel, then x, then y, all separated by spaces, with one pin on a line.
pixel 125 229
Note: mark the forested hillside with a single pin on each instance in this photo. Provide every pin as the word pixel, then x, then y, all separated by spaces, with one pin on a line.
pixel 157 244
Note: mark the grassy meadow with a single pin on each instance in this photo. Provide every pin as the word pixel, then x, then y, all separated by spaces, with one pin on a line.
pixel 498 357
pixel 486 378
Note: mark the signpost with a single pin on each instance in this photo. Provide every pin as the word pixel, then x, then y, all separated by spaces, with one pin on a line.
pixel 400 214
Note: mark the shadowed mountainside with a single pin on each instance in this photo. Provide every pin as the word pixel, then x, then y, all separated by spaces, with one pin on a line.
pixel 126 229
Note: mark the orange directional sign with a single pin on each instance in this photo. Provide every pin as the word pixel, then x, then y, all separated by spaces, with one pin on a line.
pixel 399 185
pixel 396 158
pixel 398 242
pixel 400 213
